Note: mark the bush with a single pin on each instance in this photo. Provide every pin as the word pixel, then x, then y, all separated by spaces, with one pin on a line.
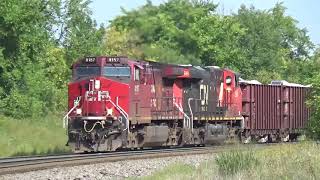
pixel 35 95
pixel 313 102
pixel 230 163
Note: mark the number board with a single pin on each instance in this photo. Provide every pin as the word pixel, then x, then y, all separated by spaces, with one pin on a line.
pixel 90 60
pixel 113 60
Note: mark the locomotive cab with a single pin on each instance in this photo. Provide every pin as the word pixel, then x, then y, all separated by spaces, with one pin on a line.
pixel 93 81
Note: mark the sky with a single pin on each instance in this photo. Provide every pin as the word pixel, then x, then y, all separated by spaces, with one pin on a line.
pixel 305 11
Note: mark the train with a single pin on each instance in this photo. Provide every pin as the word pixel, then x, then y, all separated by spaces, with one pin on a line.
pixel 119 103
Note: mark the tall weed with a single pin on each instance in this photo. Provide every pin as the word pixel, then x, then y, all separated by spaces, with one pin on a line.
pixel 230 163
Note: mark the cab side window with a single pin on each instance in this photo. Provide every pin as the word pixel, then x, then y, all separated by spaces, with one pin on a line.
pixel 236 80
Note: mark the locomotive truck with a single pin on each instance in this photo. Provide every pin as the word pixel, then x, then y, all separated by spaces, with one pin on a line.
pixel 118 103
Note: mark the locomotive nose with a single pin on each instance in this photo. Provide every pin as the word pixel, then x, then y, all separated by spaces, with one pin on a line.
pixel 94 98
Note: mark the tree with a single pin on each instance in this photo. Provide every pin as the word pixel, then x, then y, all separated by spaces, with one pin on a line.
pixel 218 42
pixel 26 29
pixel 164 33
pixel 122 43
pixel 314 122
pixel 38 42
pixel 80 36
pixel 273 42
pixel 314 98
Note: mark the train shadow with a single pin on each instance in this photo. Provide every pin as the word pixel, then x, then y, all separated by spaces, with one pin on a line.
pixel 52 151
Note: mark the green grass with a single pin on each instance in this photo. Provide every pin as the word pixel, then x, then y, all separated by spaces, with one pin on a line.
pixel 284 161
pixel 235 161
pixel 32 136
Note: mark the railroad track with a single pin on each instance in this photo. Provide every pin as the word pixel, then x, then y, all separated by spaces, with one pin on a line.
pixel 25 164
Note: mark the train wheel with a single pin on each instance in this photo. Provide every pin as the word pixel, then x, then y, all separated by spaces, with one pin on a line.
pixel 245 137
pixel 284 135
pixel 273 138
pixel 263 139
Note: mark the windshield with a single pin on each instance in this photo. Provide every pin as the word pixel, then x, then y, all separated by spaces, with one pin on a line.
pixel 84 71
pixel 116 71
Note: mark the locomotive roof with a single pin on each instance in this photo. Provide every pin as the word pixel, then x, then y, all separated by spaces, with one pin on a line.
pixel 193 71
pixel 124 59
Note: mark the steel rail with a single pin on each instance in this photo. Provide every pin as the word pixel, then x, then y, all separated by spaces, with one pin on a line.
pixel 25 164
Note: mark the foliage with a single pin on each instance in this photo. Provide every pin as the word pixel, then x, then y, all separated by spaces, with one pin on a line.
pixel 314 99
pixel 79 35
pixel 260 44
pixel 272 42
pixel 34 56
pixel 39 40
pixel 25 33
pixel 165 27
pixel 121 43
pixel 218 42
pixel 263 44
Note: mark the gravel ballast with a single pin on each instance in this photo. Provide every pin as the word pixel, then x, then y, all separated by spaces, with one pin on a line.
pixel 111 170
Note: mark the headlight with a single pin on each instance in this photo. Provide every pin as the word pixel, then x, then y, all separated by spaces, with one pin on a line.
pixel 78 111
pixel 97 84
pixel 228 80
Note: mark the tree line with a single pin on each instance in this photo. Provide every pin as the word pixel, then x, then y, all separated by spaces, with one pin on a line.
pixel 40 39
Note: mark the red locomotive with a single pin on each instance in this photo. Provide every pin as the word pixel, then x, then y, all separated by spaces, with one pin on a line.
pixel 115 102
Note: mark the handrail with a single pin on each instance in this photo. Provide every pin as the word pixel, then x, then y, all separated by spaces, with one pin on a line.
pixel 117 103
pixel 185 123
pixel 122 112
pixel 189 105
pixel 66 117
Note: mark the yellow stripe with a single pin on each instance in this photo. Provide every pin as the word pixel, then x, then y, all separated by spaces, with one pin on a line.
pixel 215 118
pixel 202 118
